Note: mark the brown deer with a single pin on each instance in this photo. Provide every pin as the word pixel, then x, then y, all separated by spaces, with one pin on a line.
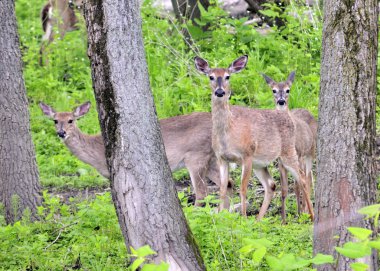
pixel 60 14
pixel 187 141
pixel 306 132
pixel 249 137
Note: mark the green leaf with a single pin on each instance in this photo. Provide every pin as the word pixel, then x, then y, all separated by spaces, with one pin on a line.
pixel 136 264
pixel 370 211
pixel 144 251
pixel 375 244
pixel 360 233
pixel 322 259
pixel 153 267
pixel 359 266
pixel 274 263
pixel 269 13
pixel 354 250
pixel 259 254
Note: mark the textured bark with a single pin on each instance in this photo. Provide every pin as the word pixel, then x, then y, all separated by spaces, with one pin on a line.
pixel 19 185
pixel 346 177
pixel 142 187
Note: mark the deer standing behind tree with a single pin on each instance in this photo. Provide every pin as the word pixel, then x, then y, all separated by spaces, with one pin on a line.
pixel 250 137
pixel 58 14
pixel 187 141
pixel 306 136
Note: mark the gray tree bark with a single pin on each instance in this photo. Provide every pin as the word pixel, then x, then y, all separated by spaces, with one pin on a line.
pixel 19 183
pixel 346 177
pixel 143 191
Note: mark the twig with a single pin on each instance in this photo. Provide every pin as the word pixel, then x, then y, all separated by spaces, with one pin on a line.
pixel 59 234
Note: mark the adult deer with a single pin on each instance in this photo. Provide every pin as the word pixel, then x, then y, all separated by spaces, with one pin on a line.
pixel 306 133
pixel 60 14
pixel 187 141
pixel 249 137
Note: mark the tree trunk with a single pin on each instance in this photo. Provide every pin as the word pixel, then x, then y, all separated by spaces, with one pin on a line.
pixel 346 177
pixel 143 191
pixel 19 184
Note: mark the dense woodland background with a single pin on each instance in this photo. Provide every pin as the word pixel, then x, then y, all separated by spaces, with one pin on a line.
pixel 78 227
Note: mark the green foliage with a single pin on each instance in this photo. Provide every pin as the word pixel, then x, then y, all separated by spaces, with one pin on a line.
pixel 140 257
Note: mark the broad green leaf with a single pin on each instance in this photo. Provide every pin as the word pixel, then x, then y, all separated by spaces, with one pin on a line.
pixel 322 259
pixel 144 251
pixel 259 254
pixel 360 233
pixel 375 244
pixel 354 250
pixel 136 264
pixel 152 267
pixel 370 211
pixel 359 266
pixel 258 243
pixel 269 13
pixel 274 263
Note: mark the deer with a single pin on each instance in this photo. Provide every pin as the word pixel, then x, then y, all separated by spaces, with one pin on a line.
pixel 306 135
pixel 250 137
pixel 61 14
pixel 187 141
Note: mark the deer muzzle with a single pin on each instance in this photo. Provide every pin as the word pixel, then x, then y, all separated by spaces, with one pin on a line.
pixel 61 134
pixel 220 92
pixel 281 102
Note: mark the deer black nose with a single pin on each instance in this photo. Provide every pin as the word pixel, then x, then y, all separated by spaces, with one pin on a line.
pixel 61 134
pixel 220 92
pixel 281 102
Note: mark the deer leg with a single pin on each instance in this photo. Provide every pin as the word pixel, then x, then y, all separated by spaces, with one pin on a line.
pixel 269 187
pixel 284 189
pixel 245 174
pixel 291 164
pixel 213 175
pixel 223 170
pixel 309 174
pixel 197 176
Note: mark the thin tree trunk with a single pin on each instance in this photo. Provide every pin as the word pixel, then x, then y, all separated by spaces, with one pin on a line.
pixel 143 191
pixel 19 184
pixel 346 177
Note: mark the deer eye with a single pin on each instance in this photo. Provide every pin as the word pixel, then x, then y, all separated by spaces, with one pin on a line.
pixel 274 91
pixel 287 91
pixel 227 77
pixel 55 121
pixel 70 121
pixel 212 78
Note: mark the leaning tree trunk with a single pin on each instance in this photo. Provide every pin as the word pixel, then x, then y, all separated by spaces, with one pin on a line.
pixel 346 138
pixel 143 191
pixel 19 184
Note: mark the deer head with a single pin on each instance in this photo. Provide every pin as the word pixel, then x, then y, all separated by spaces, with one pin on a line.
pixel 219 77
pixel 65 121
pixel 280 90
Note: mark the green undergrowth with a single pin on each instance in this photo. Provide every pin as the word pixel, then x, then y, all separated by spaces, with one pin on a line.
pixel 85 235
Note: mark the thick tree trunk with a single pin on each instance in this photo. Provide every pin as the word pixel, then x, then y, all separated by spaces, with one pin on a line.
pixel 19 184
pixel 142 187
pixel 346 177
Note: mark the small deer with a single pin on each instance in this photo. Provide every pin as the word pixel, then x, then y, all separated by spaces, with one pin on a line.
pixel 306 132
pixel 61 14
pixel 187 141
pixel 250 137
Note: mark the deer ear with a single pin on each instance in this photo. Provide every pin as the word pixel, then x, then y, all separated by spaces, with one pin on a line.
pixel 291 77
pixel 269 80
pixel 47 110
pixel 82 110
pixel 201 65
pixel 238 64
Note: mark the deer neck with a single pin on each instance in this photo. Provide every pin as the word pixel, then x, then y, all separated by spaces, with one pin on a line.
pixel 221 121
pixel 88 148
